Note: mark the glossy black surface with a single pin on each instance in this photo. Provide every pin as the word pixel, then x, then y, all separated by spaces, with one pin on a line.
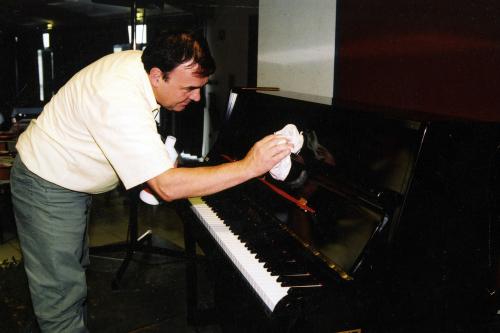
pixel 407 205
pixel 353 171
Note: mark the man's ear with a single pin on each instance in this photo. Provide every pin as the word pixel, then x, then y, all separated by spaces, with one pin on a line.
pixel 155 76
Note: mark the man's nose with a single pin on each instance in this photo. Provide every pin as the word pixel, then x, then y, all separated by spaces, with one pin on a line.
pixel 195 95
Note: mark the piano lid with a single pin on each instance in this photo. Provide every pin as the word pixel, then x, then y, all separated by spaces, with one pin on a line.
pixel 353 171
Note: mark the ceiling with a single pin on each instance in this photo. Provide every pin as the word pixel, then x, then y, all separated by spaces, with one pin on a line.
pixel 21 14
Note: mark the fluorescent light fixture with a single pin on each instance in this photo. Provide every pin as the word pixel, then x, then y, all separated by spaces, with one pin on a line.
pixel 46 40
pixel 40 74
pixel 140 34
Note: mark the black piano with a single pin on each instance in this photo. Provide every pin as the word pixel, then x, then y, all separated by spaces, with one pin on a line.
pixel 387 222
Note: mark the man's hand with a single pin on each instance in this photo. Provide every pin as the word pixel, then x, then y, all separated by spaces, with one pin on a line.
pixel 178 183
pixel 266 153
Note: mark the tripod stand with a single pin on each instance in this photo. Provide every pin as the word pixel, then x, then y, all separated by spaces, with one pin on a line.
pixel 134 242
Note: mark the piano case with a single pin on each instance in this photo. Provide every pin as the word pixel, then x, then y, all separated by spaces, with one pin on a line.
pixel 388 222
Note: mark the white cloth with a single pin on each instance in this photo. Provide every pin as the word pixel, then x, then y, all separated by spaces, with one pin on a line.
pixel 170 147
pixel 98 128
pixel 280 171
pixel 147 197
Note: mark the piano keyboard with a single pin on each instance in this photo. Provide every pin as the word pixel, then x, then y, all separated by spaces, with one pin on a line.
pixel 263 282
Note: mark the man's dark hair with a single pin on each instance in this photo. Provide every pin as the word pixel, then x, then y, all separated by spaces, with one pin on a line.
pixel 172 48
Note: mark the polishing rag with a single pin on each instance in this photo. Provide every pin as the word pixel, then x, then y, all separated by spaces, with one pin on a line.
pixel 281 170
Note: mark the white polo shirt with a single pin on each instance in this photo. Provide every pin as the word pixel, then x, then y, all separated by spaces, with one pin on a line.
pixel 97 129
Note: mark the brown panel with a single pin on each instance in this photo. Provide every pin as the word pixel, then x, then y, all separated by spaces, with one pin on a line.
pixel 440 60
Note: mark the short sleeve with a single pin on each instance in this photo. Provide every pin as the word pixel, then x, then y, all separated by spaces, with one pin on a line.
pixel 123 126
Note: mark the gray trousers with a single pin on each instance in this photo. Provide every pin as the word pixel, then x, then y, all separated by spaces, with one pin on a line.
pixel 52 229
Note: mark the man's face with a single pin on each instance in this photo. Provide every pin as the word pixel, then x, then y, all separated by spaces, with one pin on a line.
pixel 182 87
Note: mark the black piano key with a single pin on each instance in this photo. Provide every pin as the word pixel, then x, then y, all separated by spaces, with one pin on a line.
pixel 265 238
pixel 298 280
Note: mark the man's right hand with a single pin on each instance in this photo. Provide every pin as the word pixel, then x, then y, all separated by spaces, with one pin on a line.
pixel 266 153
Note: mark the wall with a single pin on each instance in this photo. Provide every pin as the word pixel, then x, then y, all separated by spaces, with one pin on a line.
pixel 228 35
pixel 297 48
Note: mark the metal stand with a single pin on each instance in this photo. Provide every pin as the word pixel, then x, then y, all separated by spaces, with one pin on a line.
pixel 134 242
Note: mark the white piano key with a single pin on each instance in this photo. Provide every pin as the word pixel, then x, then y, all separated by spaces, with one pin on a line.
pixel 264 284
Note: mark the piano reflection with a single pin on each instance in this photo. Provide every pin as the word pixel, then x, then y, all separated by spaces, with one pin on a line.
pixel 386 222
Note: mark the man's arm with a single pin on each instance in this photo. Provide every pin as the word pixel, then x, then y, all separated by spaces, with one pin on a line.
pixel 179 183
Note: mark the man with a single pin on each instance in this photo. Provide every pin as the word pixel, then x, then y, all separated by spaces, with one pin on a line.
pixel 98 129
